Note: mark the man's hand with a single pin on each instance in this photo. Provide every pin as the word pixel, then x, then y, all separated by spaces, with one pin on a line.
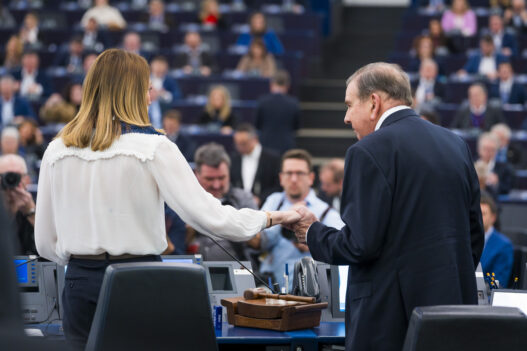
pixel 19 199
pixel 300 228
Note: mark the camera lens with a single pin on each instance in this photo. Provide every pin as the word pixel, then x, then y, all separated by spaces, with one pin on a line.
pixel 10 180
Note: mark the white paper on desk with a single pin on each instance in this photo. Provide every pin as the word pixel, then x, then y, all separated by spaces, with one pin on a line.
pixel 510 299
pixel 33 332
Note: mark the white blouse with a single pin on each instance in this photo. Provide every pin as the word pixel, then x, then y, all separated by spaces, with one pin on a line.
pixel 91 202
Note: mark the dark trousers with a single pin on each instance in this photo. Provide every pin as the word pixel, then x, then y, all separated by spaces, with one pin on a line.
pixel 81 291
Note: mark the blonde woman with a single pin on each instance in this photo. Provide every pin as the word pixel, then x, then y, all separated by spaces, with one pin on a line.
pixel 210 15
pixel 14 49
pixel 257 62
pixel 218 115
pixel 103 183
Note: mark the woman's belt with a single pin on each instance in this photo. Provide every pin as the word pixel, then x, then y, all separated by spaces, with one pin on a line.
pixel 105 256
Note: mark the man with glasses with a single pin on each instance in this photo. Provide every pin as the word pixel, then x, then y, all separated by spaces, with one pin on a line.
pixel 279 245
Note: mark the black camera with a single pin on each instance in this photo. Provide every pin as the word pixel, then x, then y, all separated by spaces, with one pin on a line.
pixel 10 180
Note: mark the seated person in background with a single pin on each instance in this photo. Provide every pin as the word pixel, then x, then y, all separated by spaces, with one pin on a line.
pixel 506 152
pixel 156 109
pixel 14 48
pixel 436 33
pixel 498 253
pixel 477 113
pixel 210 15
pixel 92 37
pixel 132 43
pixel 157 18
pixel 12 106
pixel 257 62
pixel 277 243
pixel 258 29
pixel 430 116
pixel 516 16
pixel 218 116
pixel 254 168
pixel 167 87
pixel 331 176
pixel 10 141
pixel 31 147
pixel 7 21
pixel 459 19
pixel 62 108
pixel 171 125
pixel 106 15
pixel 194 58
pixel 424 50
pixel 504 42
pixel 71 59
pixel 429 91
pixel 18 202
pixel 485 62
pixel 34 83
pixel 506 89
pixel 482 170
pixel 501 174
pixel 212 171
pixel 29 31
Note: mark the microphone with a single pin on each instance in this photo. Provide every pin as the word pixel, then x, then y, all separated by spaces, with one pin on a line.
pixel 275 289
pixel 32 258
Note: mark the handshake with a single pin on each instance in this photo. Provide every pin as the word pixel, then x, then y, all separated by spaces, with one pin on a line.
pixel 298 219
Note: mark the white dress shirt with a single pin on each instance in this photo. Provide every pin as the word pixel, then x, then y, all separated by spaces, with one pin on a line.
pixel 250 166
pixel 487 65
pixel 387 113
pixel 8 111
pixel 104 15
pixel 113 200
pixel 27 81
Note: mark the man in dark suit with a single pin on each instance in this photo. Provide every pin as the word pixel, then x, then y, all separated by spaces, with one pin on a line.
pixel 172 125
pixel 429 90
pixel 507 152
pixel 506 89
pixel 34 83
pixel 485 62
pixel 71 58
pixel 501 174
pixel 413 234
pixel 278 115
pixel 156 18
pixel 11 105
pixel 477 113
pixel 254 168
pixel 504 42
pixel 166 86
pixel 193 57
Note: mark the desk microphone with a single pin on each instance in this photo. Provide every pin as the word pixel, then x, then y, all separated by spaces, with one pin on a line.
pixel 275 288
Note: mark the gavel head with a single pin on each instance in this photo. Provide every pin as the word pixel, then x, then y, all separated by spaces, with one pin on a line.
pixel 251 294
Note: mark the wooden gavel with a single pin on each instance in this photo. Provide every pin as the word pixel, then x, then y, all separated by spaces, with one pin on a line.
pixel 252 294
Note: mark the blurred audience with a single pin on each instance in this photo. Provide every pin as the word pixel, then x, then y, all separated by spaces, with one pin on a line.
pixel 459 19
pixel 485 62
pixel 166 87
pixel 504 42
pixel 132 43
pixel 172 126
pixel 157 18
pixel 507 152
pixel 7 21
pixel 72 58
pixel 210 15
pixel 506 89
pixel 278 115
pixel 501 174
pixel 482 170
pixel 29 32
pixel 257 62
pixel 516 16
pixel 429 90
pixel 14 48
pixel 218 115
pixel 424 50
pixel 62 108
pixel 106 16
pixel 31 146
pixel 436 33
pixel 12 106
pixel 193 57
pixel 477 113
pixel 331 176
pixel 258 29
pixel 254 168
pixel 34 83
pixel 92 37
pixel 10 141
pixel 498 253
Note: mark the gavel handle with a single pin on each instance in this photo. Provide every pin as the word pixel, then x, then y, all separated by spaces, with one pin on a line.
pixel 306 299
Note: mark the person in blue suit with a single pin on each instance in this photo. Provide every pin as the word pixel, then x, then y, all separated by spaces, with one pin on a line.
pixel 167 87
pixel 12 105
pixel 506 89
pixel 498 254
pixel 486 61
pixel 34 83
pixel 505 42
pixel 411 206
pixel 259 30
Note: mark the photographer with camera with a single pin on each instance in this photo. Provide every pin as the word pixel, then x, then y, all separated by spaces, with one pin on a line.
pixel 18 201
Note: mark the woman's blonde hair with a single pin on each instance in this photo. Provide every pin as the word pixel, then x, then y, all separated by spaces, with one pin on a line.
pixel 225 110
pixel 114 91
pixel 204 12
pixel 13 58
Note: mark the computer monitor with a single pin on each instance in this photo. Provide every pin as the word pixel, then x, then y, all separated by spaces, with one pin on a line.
pixel 510 298
pixel 339 286
pixel 26 272
pixel 196 259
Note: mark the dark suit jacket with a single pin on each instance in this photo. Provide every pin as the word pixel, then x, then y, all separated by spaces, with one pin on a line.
pixel 517 94
pixel 277 119
pixel 266 179
pixel 182 59
pixel 463 119
pixel 171 85
pixel 42 79
pixel 472 65
pixel 439 88
pixel 505 173
pixel 21 107
pixel 497 257
pixel 413 234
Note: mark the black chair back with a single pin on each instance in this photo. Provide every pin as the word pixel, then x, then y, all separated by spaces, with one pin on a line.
pixel 153 306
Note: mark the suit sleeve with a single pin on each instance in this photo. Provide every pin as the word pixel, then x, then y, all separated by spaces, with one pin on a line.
pixel 366 202
pixel 477 234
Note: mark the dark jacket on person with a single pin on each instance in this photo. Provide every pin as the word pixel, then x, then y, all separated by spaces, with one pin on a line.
pixel 413 233
pixel 464 118
pixel 517 94
pixel 21 107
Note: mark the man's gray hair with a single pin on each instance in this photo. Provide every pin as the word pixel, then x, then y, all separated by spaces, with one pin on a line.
pixel 11 159
pixel 488 136
pixel 212 155
pixel 10 132
pixel 382 77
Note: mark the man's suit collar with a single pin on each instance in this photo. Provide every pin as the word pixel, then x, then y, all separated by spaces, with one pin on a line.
pixel 397 116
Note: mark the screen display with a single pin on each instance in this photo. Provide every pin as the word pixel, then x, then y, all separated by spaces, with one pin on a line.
pixel 510 299
pixel 220 279
pixel 21 271
pixel 178 260
pixel 343 286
